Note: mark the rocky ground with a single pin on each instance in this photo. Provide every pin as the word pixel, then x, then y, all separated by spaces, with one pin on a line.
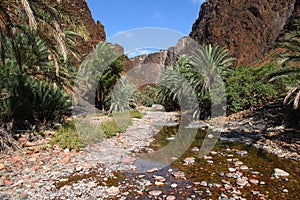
pixel 106 170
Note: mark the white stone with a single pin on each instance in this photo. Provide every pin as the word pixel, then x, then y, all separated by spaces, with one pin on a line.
pixel 280 172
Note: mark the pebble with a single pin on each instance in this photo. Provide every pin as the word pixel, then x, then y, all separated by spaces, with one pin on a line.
pixel 189 160
pixel 244 167
pixel 232 169
pixel 237 163
pixel 174 185
pixel 155 192
pixel 158 183
pixel 221 174
pixel 241 152
pixel 279 172
pixel 210 161
pixel 113 191
pixel 207 157
pixel 285 190
pixel 262 183
pixel 203 183
pixel 255 172
pixel 155 169
pixel 254 181
pixel 195 149
pixel 241 181
pixel 2 166
pixel 170 197
pixel 210 136
pixel 159 178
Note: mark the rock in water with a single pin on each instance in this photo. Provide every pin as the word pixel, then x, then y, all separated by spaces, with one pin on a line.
pixel 279 172
pixel 155 192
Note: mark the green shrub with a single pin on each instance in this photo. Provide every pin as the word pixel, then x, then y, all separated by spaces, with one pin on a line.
pixel 111 128
pixel 246 87
pixel 136 114
pixel 67 137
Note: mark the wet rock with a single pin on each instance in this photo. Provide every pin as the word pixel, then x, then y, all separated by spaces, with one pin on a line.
pixel 159 183
pixel 221 174
pixel 203 183
pixel 241 181
pixel 155 192
pixel 237 163
pixel 232 169
pixel 210 162
pixel 159 178
pixel 170 197
pixel 210 136
pixel 241 153
pixel 207 157
pixel 279 172
pixel 195 149
pixel 244 167
pixel 155 169
pixel 189 160
pixel 254 181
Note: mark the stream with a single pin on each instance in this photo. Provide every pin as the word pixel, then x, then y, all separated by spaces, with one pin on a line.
pixel 230 170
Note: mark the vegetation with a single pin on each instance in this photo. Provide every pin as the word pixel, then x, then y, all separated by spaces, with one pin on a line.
pixel 198 75
pixel 101 70
pixel 291 42
pixel 67 137
pixel 246 87
pixel 136 114
pixel 111 128
pixel 121 96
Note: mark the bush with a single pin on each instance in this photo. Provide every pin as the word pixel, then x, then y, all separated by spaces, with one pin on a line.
pixel 67 137
pixel 136 114
pixel 246 87
pixel 111 128
pixel 28 102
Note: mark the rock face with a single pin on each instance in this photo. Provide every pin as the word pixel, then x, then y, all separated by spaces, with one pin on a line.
pixel 80 11
pixel 246 27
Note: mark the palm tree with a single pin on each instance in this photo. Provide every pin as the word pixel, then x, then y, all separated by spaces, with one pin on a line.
pixel 45 17
pixel 210 61
pixel 291 42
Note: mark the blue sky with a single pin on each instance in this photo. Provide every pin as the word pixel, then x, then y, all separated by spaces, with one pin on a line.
pixel 123 15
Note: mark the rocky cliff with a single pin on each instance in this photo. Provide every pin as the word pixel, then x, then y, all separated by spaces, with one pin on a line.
pixel 80 11
pixel 247 27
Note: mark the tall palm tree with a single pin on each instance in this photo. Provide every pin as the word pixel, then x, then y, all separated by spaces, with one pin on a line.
pixel 47 18
pixel 291 42
pixel 210 61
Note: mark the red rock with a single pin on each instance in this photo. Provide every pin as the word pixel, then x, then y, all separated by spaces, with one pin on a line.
pixel 24 195
pixel 29 152
pixel 26 177
pixel 66 159
pixel 35 167
pixel 7 182
pixel 2 166
pixel 32 159
pixel 29 144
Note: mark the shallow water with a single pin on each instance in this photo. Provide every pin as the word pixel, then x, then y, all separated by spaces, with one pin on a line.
pixel 260 163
